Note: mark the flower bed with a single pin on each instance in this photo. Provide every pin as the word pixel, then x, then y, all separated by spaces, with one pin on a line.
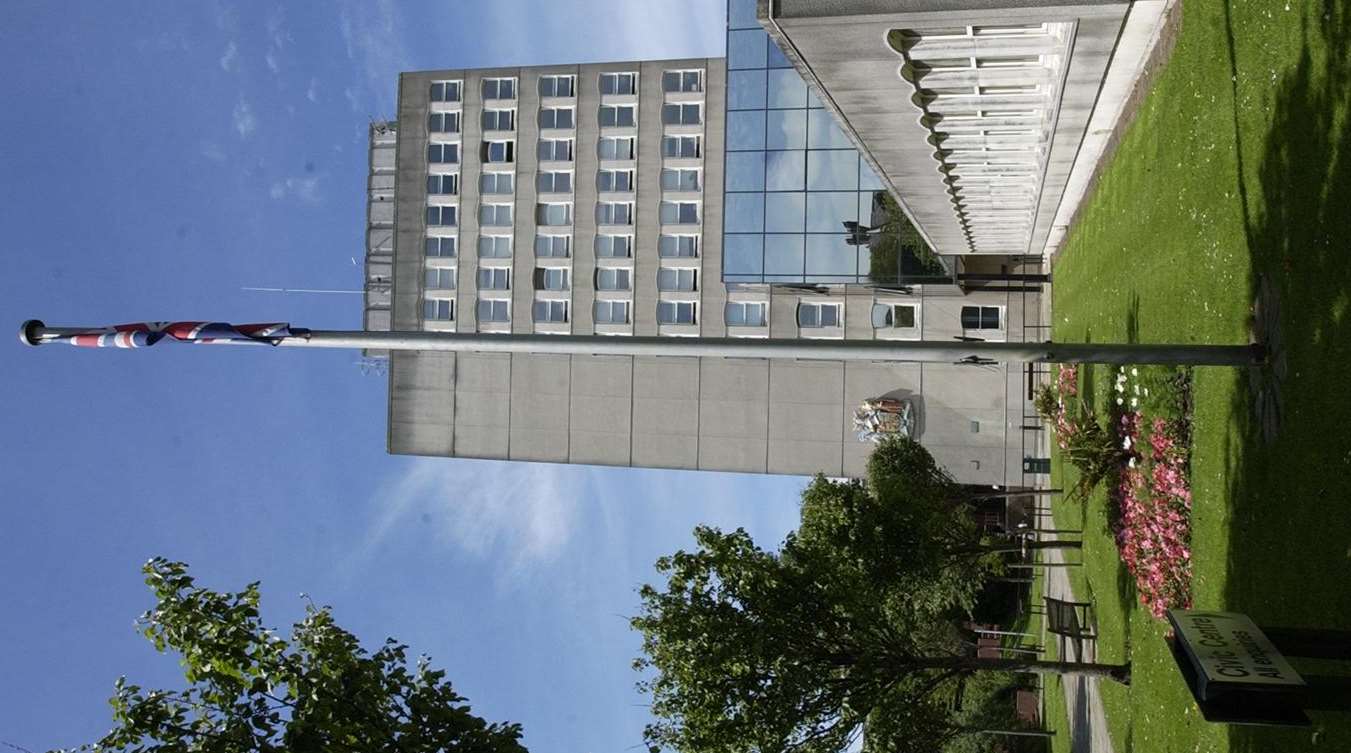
pixel 1144 462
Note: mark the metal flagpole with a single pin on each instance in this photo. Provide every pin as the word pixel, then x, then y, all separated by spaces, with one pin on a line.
pixel 35 332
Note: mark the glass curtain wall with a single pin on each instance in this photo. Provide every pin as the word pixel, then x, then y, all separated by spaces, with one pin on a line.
pixel 792 176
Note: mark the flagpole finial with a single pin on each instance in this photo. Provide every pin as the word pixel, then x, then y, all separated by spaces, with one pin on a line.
pixel 28 333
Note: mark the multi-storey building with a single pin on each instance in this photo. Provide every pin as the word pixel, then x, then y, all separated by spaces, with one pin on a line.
pixel 635 199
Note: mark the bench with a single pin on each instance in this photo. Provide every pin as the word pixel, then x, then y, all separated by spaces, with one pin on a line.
pixel 1068 619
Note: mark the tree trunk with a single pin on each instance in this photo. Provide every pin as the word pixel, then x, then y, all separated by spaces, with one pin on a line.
pixel 1117 672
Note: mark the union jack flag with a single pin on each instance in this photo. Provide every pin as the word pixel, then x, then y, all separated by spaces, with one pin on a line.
pixel 145 334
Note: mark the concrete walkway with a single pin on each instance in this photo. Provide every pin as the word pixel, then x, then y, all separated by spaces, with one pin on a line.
pixel 1087 723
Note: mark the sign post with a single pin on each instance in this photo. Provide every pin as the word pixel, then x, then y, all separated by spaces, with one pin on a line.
pixel 1238 674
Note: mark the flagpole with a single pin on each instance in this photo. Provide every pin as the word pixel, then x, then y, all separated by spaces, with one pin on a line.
pixel 35 332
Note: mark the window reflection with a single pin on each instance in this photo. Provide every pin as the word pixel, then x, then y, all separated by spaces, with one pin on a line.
pixel 743 254
pixel 745 171
pixel 826 211
pixel 783 255
pixel 827 170
pixel 745 212
pixel 784 212
pixel 787 129
pixel 745 90
pixel 784 171
pixel 747 49
pixel 823 133
pixel 786 89
pixel 746 129
pixel 830 255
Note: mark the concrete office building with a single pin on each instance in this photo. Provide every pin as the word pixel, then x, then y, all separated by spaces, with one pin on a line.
pixel 589 200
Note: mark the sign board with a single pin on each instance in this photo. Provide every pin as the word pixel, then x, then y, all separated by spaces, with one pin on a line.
pixel 1228 652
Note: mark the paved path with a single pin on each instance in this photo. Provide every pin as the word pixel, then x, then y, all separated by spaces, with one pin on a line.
pixel 1087 723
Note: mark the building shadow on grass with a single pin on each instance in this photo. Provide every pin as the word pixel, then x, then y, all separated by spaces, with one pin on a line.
pixel 1290 527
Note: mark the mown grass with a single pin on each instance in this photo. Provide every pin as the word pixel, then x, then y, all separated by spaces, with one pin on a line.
pixel 1238 167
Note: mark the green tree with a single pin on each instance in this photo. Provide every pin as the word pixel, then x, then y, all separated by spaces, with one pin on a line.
pixel 248 689
pixel 753 650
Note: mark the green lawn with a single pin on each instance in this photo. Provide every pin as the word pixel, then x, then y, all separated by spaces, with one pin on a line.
pixel 1238 166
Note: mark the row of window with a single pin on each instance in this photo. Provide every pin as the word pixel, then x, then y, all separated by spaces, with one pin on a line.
pixel 607 246
pixel 496 310
pixel 565 85
pixel 810 314
pixel 563 150
pixel 558 214
pixel 611 279
pixel 610 116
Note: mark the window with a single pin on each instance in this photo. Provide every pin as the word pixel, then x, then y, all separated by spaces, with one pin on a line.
pixel 679 212
pixel 614 213
pixel 980 317
pixel 682 81
pixel 441 311
pixel 614 246
pixel 494 278
pixel 551 311
pixel 499 120
pixel 680 179
pixel 499 88
pixel 893 316
pixel 553 214
pixel 556 117
pixel 556 150
pixel 614 180
pixel 680 146
pixel 612 312
pixel 442 216
pixel 494 246
pixel 610 147
pixel 675 279
pixel 440 279
pixel 682 114
pixel 443 185
pixel 559 181
pixel 443 122
pixel 557 86
pixel 618 115
pixel 677 246
pixel 618 83
pixel 614 278
pixel 494 215
pixel 445 91
pixel 440 247
pixel 743 314
pixel 552 246
pixel 676 312
pixel 499 151
pixel 443 153
pixel 493 311
pixel 813 315
pixel 496 183
pixel 551 278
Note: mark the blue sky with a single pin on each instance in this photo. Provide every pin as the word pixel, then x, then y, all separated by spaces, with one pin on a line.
pixel 156 158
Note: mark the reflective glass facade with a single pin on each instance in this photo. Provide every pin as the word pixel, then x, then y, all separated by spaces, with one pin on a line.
pixel 792 177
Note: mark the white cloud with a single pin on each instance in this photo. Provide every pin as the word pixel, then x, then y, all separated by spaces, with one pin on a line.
pixel 244 119
pixel 369 33
pixel 212 151
pixel 312 93
pixel 270 58
pixel 522 514
pixel 229 61
pixel 352 100
pixel 306 189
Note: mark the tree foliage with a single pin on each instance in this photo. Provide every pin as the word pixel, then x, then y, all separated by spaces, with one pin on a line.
pixel 749 650
pixel 248 689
